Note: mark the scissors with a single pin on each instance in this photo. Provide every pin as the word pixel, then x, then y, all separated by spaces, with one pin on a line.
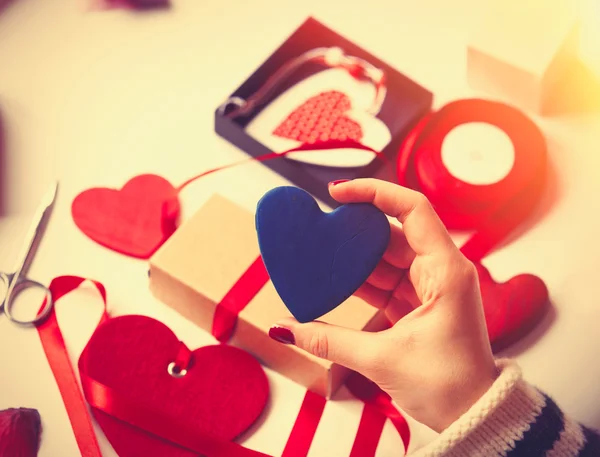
pixel 16 282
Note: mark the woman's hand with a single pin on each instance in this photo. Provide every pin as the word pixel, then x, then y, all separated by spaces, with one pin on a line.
pixel 436 361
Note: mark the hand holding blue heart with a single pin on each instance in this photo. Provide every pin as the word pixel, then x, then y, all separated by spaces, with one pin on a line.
pixel 436 361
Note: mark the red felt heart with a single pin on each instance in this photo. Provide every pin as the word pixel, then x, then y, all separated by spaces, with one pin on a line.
pixel 321 118
pixel 132 220
pixel 222 394
pixel 512 308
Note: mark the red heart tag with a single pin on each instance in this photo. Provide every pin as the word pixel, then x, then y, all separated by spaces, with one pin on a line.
pixel 222 394
pixel 131 220
pixel 321 118
pixel 512 308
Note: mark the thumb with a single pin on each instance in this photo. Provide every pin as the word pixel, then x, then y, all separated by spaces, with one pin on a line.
pixel 353 349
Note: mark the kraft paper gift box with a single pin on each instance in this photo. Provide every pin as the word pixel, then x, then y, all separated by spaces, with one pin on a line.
pixel 523 50
pixel 205 257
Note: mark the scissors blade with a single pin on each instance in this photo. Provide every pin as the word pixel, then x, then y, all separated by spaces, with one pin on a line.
pixel 35 229
pixel 45 206
pixel 49 197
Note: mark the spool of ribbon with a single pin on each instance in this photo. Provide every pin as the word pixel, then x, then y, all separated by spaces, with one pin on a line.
pixel 493 210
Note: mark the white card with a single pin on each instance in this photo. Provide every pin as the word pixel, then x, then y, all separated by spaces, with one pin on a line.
pixel 375 134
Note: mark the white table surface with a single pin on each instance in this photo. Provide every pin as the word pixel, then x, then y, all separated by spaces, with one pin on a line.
pixel 93 98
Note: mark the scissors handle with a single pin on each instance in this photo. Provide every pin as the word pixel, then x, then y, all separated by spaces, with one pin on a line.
pixel 20 286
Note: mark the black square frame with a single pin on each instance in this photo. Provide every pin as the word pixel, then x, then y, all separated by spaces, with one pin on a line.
pixel 405 103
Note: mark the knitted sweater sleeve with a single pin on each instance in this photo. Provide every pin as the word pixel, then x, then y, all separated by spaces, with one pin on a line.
pixel 513 419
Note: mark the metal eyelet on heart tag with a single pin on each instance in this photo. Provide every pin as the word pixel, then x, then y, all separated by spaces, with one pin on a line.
pixel 175 371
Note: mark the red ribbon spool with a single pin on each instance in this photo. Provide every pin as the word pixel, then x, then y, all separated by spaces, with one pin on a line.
pixel 492 210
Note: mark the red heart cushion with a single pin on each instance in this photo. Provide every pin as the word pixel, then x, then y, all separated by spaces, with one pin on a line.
pixel 511 308
pixel 131 220
pixel 321 118
pixel 223 393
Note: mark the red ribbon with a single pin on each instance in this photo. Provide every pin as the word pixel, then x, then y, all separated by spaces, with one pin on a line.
pixel 378 405
pixel 377 399
pixel 171 207
pixel 369 432
pixel 234 301
pixel 122 407
pixel 138 414
pixel 306 148
pixel 117 404
pixel 492 210
pixel 305 426
pixel 62 369
pixel 246 288
pixel 172 429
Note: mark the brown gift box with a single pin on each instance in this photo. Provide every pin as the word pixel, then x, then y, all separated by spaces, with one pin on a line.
pixel 205 257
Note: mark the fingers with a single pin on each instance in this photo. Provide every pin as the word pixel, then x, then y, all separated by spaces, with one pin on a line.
pixel 423 229
pixel 396 260
pixel 372 295
pixel 398 253
pixel 350 348
pixel 385 276
pixel 397 308
pixel 405 291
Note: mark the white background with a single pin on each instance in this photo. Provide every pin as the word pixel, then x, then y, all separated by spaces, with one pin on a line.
pixel 93 98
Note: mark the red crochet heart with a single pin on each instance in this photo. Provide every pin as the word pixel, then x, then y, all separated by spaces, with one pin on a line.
pixel 223 393
pixel 512 308
pixel 321 118
pixel 132 220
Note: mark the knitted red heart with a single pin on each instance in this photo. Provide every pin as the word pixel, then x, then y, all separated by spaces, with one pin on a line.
pixel 132 220
pixel 321 118
pixel 512 308
pixel 222 394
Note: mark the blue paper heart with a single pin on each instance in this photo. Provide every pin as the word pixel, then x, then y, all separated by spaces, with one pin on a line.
pixel 317 260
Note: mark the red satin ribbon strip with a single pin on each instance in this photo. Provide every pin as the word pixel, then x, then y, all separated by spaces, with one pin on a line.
pixel 305 427
pixel 224 321
pixel 171 429
pixel 236 299
pixel 171 207
pixel 250 283
pixel 119 405
pixel 183 357
pixel 369 432
pixel 367 391
pixel 135 413
pixel 494 210
pixel 62 369
pixel 307 148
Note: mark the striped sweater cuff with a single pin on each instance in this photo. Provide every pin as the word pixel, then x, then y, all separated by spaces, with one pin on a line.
pixel 512 419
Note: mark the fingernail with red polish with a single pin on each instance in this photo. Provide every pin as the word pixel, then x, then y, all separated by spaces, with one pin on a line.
pixel 282 335
pixel 339 181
